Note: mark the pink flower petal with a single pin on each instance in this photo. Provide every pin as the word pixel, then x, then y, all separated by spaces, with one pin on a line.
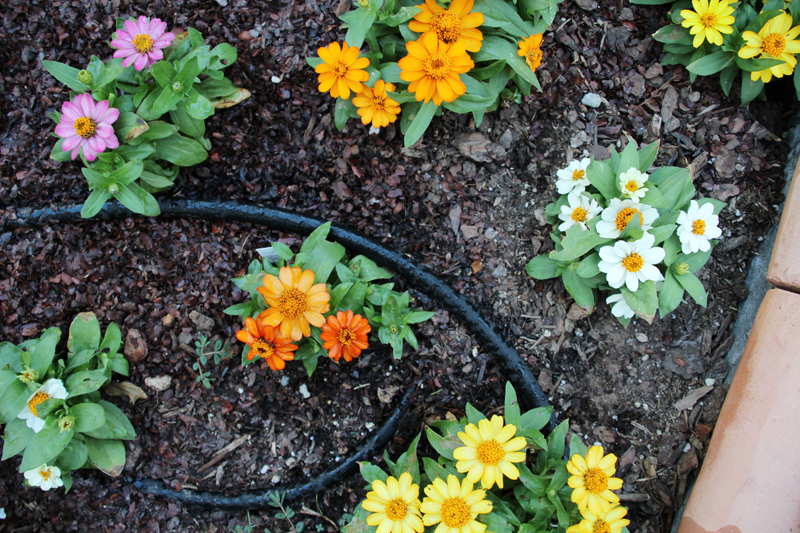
pixel 141 62
pixel 143 25
pixel 104 130
pixel 125 53
pixel 110 116
pixel 157 28
pixel 111 141
pixel 123 35
pixel 155 55
pixel 71 142
pixel 64 130
pixel 70 111
pixel 130 59
pixel 164 41
pixel 96 143
pixel 75 152
pixel 90 154
pixel 124 44
pixel 132 28
pixel 98 110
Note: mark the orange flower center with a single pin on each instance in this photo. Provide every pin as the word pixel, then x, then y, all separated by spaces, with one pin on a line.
pixel 601 527
pixel 263 348
pixel 346 337
pixel 455 513
pixel 85 127
pixel 534 58
pixel 490 452
pixel 293 303
pixel 45 474
pixel 579 214
pixel 38 398
pixel 447 26
pixel 396 509
pixel 143 43
pixel 631 186
pixel 633 263
pixel 578 175
pixel 708 20
pixel 437 65
pixel 595 480
pixel 625 216
pixel 339 69
pixel 699 227
pixel 773 44
pixel 378 103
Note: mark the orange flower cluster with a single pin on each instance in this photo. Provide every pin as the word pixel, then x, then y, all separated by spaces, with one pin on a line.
pixel 345 335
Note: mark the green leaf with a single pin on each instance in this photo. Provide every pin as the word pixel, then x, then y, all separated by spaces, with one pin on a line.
pixel 308 356
pixel 138 200
pixel 711 64
pixel 671 248
pixel 130 152
pixel 654 197
pixel 196 105
pixel 66 75
pixel 750 89
pixel 58 154
pixel 223 55
pixel 180 151
pixel 647 155
pixel 443 445
pixel 662 233
pixel 13 396
pixel 17 437
pixel 84 333
pixel 726 77
pixel 370 472
pixel 504 12
pixel 420 123
pixel 577 242
pixel 72 457
pixel 84 382
pixel 581 293
pixel 117 425
pixel 88 416
pixel 315 238
pixel 496 47
pixel 543 267
pixel 694 287
pixel 127 173
pixel 11 357
pixel 353 299
pixel 163 72
pixel 45 445
pixel 107 455
pixel 670 295
pixel 366 269
pixel 193 65
pixel 390 73
pixel 404 14
pixel 644 301
pixel 674 33
pixel 323 258
pixel 536 418
pixel 696 260
pixel 576 446
pixel 469 102
pixel 511 406
pixel 629 158
pixel 589 266
pixel 415 317
pixel 675 188
pixel 42 355
pixel 600 174
pixel 95 203
pixel 409 462
pixel 359 21
pixel 166 100
pixel 129 126
pixel 434 470
pixel 473 415
pixel 188 126
pixel 556 441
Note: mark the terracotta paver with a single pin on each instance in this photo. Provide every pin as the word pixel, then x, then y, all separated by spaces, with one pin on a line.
pixel 750 480
pixel 784 266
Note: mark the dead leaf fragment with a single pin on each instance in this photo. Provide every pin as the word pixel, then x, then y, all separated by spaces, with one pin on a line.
pixel 125 389
pixel 477 266
pixel 690 399
pixel 386 395
pixel 232 99
pixel 135 347
pixel 160 383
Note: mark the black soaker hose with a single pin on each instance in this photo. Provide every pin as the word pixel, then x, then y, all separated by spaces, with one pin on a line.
pixel 513 366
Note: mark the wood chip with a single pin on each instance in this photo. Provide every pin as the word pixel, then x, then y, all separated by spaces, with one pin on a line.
pixel 126 389
pixel 223 452
pixel 690 399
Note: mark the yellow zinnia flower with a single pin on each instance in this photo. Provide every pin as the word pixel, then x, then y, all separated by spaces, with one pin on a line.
pixel 433 67
pixel 708 21
pixel 375 106
pixel 610 521
pixel 775 41
pixel 454 506
pixel 294 302
pixel 531 50
pixel 592 482
pixel 394 505
pixel 342 70
pixel 452 25
pixel 489 452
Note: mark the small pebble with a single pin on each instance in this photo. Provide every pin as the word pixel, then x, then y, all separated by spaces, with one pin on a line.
pixel 687 447
pixel 264 469
pixel 276 478
pixel 304 391
pixel 641 337
pixel 284 381
pixel 275 79
pixel 592 100
pixel 710 381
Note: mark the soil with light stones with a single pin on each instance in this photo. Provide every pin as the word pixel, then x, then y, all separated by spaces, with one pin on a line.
pixel 467 201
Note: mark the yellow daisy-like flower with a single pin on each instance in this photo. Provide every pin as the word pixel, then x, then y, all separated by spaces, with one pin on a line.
pixel 294 302
pixel 708 21
pixel 342 70
pixel 433 66
pixel 454 506
pixel 610 521
pixel 592 482
pixel 452 25
pixel 776 40
pixel 375 106
pixel 531 50
pixel 394 505
pixel 489 452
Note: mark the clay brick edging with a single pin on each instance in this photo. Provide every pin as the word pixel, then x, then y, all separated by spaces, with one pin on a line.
pixel 784 265
pixel 750 479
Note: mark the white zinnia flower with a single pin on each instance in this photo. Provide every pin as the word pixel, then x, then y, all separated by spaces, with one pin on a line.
pixel 580 210
pixel 620 307
pixel 573 178
pixel 619 212
pixel 53 388
pixel 630 183
pixel 628 263
pixel 44 477
pixel 697 227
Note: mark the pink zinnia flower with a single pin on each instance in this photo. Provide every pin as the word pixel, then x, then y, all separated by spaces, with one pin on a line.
pixel 86 124
pixel 141 42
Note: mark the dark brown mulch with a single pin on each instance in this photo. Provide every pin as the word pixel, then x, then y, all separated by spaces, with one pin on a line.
pixel 473 212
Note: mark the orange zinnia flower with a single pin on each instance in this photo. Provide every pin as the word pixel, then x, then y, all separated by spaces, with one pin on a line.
pixel 375 106
pixel 433 66
pixel 345 334
pixel 450 25
pixel 531 50
pixel 294 302
pixel 342 70
pixel 267 343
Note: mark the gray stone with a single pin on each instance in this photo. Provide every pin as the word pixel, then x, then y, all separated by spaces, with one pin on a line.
pixel 592 100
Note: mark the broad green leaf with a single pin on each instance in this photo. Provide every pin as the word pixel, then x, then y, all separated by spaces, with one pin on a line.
pixel 644 301
pixel 73 456
pixel 322 260
pixel 536 418
pixel 107 455
pixel 16 438
pixel 58 154
pixel 750 89
pixel 496 47
pixel 163 72
pixel 576 446
pixel 404 14
pixel 671 248
pixel 180 151
pixel 419 123
pixel 66 75
pixel 42 355
pixel 647 154
pixel 409 462
pixel 435 470
pixel 711 63
pixel 581 293
pixel 589 266
pixel 316 236
pixel 222 55
pixel 654 197
pixel 138 200
pixel 694 287
pixel 196 105
pixel 511 406
pixel 308 356
pixel 95 203
pixel 84 382
pixel 390 73
pixel 415 317
pixel 443 445
pixel 718 205
pixel 674 33
pixel 629 158
pixel 117 425
pixel 473 415
pixel 543 267
pixel 662 233
pixel 556 441
pixel 670 295
pixel 127 173
pixel 370 472
pixel 600 174
pixel 88 416
pixel 11 357
pixel 13 396
pixel 469 103
pixel 166 100
pixel 359 21
pixel 353 300
pixel 367 270
pixel 45 445
pixel 188 126
pixel 129 126
pixel 577 242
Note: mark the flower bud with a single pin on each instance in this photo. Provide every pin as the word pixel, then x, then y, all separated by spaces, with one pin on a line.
pixel 113 188
pixel 364 4
pixel 28 375
pixel 682 268
pixel 66 423
pixel 85 77
pixel 177 86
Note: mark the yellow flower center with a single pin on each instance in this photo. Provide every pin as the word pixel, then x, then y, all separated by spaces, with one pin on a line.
pixel 633 263
pixel 708 20
pixel 534 58
pixel 631 186
pixel 396 509
pixel 263 348
pixel 143 43
pixel 455 513
pixel 45 474
pixel 437 65
pixel 292 303
pixel 339 69
pixel 378 103
pixel 625 216
pixel 699 227
pixel 773 44
pixel 447 26
pixel 490 452
pixel 346 337
pixel 579 214
pixel 595 480
pixel 578 175
pixel 601 527
pixel 85 127
pixel 38 398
